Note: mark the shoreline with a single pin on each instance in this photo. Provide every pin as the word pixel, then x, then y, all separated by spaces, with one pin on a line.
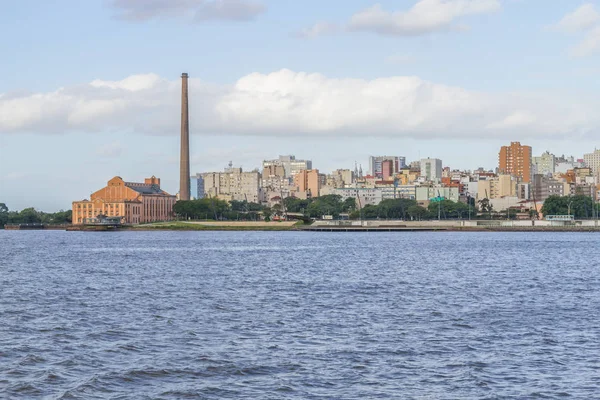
pixel 295 226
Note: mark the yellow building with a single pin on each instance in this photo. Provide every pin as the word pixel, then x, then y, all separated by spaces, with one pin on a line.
pixel 134 202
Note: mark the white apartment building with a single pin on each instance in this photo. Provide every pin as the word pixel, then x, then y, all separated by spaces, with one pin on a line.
pixel 544 164
pixel 426 193
pixel 431 169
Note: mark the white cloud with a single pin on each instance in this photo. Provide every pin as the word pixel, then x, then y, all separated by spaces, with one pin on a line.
pixel 191 10
pixel 318 29
pixel 584 17
pixel 518 119
pixel 589 45
pixel 287 103
pixel 424 17
pixel 234 10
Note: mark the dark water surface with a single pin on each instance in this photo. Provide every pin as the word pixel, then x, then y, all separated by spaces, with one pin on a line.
pixel 286 315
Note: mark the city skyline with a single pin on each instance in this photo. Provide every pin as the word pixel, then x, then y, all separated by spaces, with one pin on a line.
pixel 335 85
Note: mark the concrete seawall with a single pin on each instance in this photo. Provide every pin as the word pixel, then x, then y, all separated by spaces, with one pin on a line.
pixel 455 225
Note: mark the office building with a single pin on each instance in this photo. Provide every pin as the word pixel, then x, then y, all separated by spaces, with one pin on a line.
pixel 376 165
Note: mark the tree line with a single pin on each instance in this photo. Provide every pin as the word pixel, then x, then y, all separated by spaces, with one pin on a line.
pixel 330 205
pixel 579 206
pixel 33 216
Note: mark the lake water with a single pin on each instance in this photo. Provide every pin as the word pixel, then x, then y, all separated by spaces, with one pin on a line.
pixel 298 315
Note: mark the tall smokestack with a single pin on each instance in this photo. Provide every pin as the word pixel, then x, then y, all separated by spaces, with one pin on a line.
pixel 184 167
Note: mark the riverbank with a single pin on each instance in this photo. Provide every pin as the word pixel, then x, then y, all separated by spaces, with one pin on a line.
pixel 339 226
pixel 215 226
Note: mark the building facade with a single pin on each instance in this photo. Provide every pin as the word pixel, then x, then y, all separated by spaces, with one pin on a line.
pixel 497 187
pixel 515 160
pixel 426 193
pixel 544 164
pixel 290 164
pixel 133 202
pixel 431 169
pixel 233 184
pixel 308 182
pixel 592 160
pixel 376 165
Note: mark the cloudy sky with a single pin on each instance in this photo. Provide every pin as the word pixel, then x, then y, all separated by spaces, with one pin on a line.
pixel 90 89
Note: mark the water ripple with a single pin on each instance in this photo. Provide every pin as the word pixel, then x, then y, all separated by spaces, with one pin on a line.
pixel 272 315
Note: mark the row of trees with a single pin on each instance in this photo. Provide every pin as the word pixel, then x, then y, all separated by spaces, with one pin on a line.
pixel 579 206
pixel 325 205
pixel 32 216
pixel 410 210
pixel 210 208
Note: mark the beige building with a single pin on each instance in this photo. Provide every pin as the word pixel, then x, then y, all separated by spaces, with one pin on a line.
pixel 290 164
pixel 134 202
pixel 592 161
pixel 233 184
pixel 497 187
pixel 308 181
pixel 272 170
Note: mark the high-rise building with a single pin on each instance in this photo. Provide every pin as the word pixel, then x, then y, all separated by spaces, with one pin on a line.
pixel 308 181
pixel 544 164
pixel 197 186
pixel 376 165
pixel 387 169
pixel 290 165
pixel 592 160
pixel 515 160
pixel 431 169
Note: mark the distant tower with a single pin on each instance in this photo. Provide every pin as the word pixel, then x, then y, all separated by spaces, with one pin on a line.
pixel 184 167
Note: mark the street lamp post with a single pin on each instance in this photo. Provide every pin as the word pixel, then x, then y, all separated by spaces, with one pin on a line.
pixel 569 209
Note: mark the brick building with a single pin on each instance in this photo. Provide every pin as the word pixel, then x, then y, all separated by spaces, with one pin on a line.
pixel 134 202
pixel 516 160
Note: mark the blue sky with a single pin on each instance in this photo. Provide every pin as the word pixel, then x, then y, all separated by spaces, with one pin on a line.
pixel 90 88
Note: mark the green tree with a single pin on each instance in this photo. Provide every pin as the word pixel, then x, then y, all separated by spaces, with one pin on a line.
pixel 417 212
pixel 485 206
pixel 349 205
pixel 3 215
pixel 267 212
pixel 579 206
pixel 395 208
pixel 295 205
pixel 30 216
